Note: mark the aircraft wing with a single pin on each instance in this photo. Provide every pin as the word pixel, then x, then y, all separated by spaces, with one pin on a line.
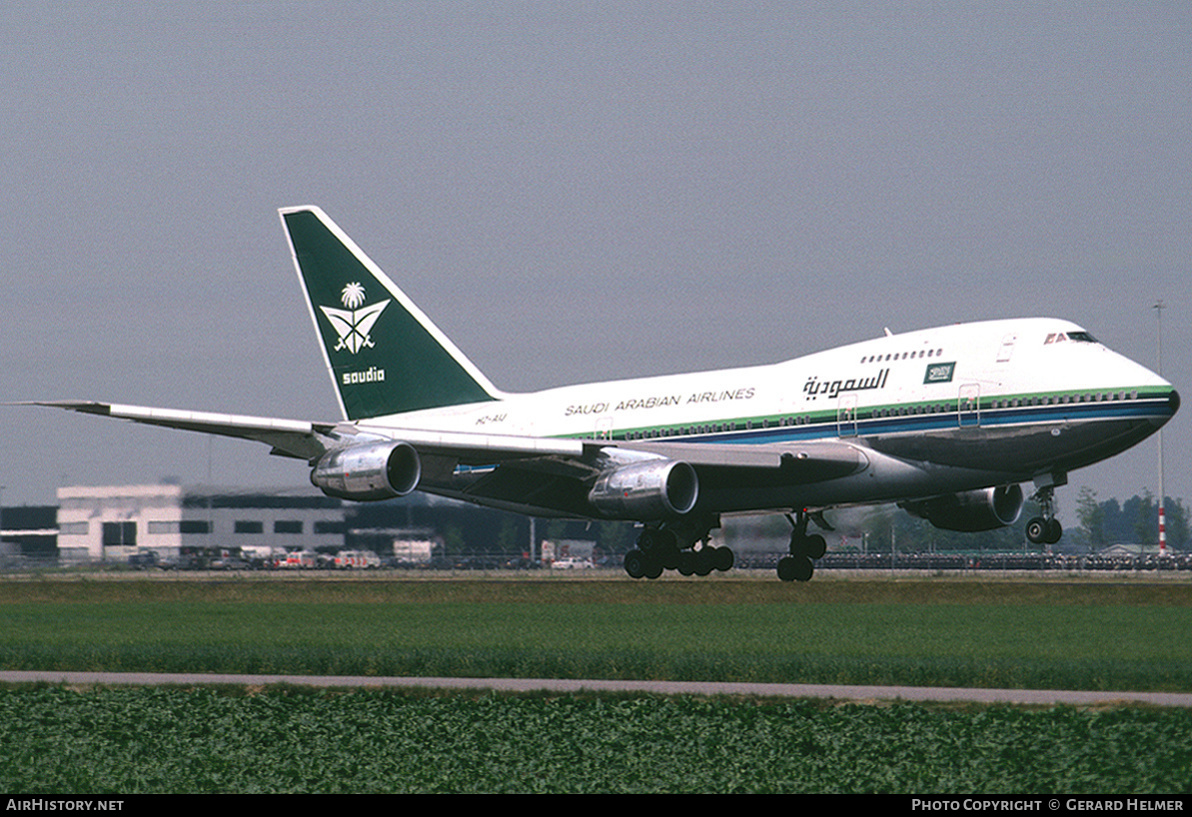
pixel 289 438
pixel 309 440
pixel 546 472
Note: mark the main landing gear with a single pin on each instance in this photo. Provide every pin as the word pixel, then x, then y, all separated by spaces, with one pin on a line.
pixel 804 549
pixel 688 551
pixel 1045 529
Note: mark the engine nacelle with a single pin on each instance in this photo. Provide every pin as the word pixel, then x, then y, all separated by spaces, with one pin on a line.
pixel 647 490
pixel 971 511
pixel 380 470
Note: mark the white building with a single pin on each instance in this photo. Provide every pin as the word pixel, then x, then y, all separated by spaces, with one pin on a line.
pixel 110 523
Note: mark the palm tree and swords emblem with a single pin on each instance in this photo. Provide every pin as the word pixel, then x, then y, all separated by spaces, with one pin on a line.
pixel 354 323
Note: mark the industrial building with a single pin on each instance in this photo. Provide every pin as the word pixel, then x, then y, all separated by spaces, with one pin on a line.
pixel 112 522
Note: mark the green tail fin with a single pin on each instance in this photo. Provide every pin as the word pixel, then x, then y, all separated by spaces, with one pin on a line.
pixel 384 355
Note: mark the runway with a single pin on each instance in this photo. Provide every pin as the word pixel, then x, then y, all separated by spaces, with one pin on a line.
pixel 1039 697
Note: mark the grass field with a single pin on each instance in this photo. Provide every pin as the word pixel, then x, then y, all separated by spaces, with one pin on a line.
pixel 1059 634
pixel 1030 634
pixel 126 741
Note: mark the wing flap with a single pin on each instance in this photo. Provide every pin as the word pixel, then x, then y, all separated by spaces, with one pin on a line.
pixel 811 461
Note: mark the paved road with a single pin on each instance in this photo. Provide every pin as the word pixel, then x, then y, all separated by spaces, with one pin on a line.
pixel 848 693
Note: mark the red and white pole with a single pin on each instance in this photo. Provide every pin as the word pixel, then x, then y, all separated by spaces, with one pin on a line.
pixel 1162 532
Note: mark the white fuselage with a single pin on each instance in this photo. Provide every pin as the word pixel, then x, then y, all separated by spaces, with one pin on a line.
pixel 934 411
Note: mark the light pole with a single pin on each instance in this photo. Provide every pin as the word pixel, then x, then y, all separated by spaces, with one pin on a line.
pixel 1159 306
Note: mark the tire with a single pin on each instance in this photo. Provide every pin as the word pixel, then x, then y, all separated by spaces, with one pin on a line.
pixel 816 546
pixel 635 563
pixel 795 569
pixel 804 569
pixel 723 559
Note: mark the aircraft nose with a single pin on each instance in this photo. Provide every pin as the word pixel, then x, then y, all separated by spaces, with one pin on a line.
pixel 1173 400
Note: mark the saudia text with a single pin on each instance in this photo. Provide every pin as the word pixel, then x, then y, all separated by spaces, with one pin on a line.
pixel 658 401
pixel 371 375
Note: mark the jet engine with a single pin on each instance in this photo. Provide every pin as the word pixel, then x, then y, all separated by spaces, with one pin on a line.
pixel 971 511
pixel 654 489
pixel 378 470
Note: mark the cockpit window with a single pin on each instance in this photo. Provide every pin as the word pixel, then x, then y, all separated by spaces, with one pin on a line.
pixel 1078 337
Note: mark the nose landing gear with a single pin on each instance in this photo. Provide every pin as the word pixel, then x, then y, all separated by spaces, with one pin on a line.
pixel 1045 529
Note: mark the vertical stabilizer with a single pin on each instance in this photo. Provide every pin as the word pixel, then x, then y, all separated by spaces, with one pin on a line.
pixel 384 355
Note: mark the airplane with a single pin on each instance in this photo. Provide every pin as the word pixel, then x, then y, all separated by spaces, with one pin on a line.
pixel 948 423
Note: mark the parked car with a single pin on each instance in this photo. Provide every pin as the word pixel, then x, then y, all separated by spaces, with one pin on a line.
pixel 571 564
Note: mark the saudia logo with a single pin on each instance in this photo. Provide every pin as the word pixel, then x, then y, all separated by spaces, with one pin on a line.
pixel 939 372
pixel 354 325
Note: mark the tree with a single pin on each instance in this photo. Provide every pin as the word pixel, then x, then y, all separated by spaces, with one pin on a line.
pixel 1177 523
pixel 1092 517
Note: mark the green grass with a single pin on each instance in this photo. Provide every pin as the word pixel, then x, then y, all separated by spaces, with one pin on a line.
pixel 128 741
pixel 117 741
pixel 945 633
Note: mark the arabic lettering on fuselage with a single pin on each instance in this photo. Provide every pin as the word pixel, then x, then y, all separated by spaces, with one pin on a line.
pixel 814 387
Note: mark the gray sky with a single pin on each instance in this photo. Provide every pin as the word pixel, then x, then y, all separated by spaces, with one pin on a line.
pixel 573 192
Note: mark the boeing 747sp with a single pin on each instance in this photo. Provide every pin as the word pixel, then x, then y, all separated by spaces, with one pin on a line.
pixel 948 423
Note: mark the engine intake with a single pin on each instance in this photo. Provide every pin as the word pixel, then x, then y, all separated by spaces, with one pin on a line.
pixel 646 490
pixel 369 471
pixel 971 511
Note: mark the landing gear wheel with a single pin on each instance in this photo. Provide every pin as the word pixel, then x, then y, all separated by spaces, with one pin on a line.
pixel 723 559
pixel 1045 529
pixel 804 548
pixel 815 546
pixel 686 562
pixel 1040 531
pixel 635 564
pixel 795 569
pixel 660 546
